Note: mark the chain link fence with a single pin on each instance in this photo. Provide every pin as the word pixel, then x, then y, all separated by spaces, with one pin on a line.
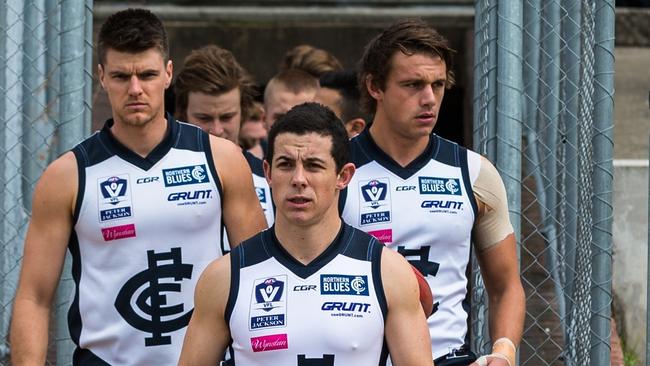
pixel 45 88
pixel 543 112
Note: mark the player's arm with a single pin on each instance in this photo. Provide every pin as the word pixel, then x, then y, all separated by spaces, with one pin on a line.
pixel 44 253
pixel 497 256
pixel 406 330
pixel 242 212
pixel 208 335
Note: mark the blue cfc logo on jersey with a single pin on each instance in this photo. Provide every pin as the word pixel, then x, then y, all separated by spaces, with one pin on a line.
pixel 269 303
pixel 433 185
pixel 114 198
pixel 343 285
pixel 192 174
pixel 261 194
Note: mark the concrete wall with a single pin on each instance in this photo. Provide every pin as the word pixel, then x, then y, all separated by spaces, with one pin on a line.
pixel 630 233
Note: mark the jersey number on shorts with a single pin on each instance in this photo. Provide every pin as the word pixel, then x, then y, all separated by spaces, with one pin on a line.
pixel 326 360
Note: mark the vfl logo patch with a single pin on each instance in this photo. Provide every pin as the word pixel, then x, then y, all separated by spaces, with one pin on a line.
pixel 113 190
pixel 118 232
pixel 433 185
pixel 269 342
pixel 268 303
pixel 192 174
pixel 343 285
pixel 374 194
pixel 154 315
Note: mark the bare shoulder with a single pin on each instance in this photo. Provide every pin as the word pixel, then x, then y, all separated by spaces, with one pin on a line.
pixel 397 276
pixel 214 284
pixel 59 182
pixel 223 150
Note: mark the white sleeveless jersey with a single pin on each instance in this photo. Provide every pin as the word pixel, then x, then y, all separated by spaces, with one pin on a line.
pixel 263 192
pixel 426 212
pixel 145 228
pixel 330 312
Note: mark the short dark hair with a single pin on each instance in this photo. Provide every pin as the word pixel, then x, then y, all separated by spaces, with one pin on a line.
pixel 316 118
pixel 132 31
pixel 315 61
pixel 212 70
pixel 295 80
pixel 409 36
pixel 345 82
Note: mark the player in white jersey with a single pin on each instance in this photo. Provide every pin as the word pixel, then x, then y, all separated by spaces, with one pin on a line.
pixel 139 205
pixel 214 92
pixel 428 198
pixel 311 290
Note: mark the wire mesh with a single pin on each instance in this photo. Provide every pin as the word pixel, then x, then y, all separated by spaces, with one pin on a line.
pixel 43 66
pixel 566 166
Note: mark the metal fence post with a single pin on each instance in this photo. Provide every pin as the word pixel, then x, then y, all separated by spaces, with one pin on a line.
pixel 603 180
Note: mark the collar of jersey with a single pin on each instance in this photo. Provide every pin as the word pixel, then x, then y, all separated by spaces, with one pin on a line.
pixel 370 148
pixel 144 163
pixel 301 270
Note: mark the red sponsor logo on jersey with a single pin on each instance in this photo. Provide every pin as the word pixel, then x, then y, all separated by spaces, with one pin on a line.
pixel 118 232
pixel 269 342
pixel 385 236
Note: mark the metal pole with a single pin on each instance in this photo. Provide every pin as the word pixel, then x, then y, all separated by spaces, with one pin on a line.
pixel 11 229
pixel 73 128
pixel 569 122
pixel 647 319
pixel 603 180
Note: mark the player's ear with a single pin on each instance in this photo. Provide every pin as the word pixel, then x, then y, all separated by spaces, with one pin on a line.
pixel 355 126
pixel 345 175
pixel 373 89
pixel 100 73
pixel 267 171
pixel 169 71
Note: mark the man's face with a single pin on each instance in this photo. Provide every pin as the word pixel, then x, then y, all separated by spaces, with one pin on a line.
pixel 331 99
pixel 281 100
pixel 219 115
pixel 135 84
pixel 411 99
pixel 303 178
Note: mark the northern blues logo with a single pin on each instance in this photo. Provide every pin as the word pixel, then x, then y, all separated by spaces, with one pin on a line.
pixel 192 174
pixel 113 190
pixel 375 193
pixel 433 185
pixel 261 194
pixel 146 291
pixel 343 285
pixel 268 303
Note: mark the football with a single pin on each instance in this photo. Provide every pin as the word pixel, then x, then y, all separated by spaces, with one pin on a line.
pixel 426 296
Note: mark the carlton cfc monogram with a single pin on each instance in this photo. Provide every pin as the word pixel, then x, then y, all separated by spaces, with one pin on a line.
pixel 154 293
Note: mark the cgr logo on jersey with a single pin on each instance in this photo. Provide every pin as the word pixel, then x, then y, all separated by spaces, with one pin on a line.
pixel 268 303
pixel 145 290
pixel 343 285
pixel 192 174
pixel 433 185
pixel 374 194
pixel 115 200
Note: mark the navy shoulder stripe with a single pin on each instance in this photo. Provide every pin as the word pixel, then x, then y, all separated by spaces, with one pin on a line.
pixel 254 163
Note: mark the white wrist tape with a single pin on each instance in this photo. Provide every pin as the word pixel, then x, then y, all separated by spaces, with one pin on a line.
pixel 483 360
